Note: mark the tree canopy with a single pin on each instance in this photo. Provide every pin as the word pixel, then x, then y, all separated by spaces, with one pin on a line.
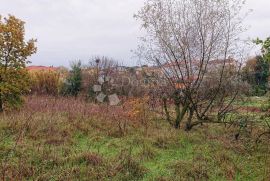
pixel 265 47
pixel 14 51
pixel 73 84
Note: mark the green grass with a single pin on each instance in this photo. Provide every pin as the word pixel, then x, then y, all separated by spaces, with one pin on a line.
pixel 256 102
pixel 51 146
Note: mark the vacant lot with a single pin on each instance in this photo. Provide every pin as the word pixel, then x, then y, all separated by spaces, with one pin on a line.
pixel 68 139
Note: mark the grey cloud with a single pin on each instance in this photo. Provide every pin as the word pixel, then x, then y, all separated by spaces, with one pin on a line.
pixel 78 29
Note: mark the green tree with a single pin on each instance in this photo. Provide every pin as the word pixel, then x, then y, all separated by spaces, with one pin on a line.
pixel 256 73
pixel 263 69
pixel 261 75
pixel 14 51
pixel 265 48
pixel 73 84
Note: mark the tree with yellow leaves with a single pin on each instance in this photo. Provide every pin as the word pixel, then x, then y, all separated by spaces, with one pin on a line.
pixel 14 51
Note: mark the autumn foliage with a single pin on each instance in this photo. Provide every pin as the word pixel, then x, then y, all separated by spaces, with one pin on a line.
pixel 45 82
pixel 14 51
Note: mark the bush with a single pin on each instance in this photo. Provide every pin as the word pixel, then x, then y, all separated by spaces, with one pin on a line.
pixel 45 82
pixel 129 168
pixel 91 159
pixel 197 169
pixel 266 106
pixel 259 91
pixel 13 84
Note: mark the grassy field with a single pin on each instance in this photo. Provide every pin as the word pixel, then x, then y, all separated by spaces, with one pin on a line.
pixel 68 139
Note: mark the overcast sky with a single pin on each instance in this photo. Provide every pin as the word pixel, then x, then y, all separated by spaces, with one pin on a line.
pixel 79 29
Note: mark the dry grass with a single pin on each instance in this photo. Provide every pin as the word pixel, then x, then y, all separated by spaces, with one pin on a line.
pixel 56 138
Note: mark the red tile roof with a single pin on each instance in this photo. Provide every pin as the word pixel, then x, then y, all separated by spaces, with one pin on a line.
pixel 41 68
pixel 197 63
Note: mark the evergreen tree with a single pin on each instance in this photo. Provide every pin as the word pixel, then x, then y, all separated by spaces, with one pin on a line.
pixel 73 84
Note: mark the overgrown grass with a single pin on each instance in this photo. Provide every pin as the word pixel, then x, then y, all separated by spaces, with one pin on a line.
pixel 67 139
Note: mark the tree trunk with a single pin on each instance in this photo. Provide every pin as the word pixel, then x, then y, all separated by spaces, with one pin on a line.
pixel 1 105
pixel 168 117
pixel 189 125
pixel 180 114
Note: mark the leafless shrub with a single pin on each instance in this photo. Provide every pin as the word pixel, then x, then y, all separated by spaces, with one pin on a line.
pixel 91 159
pixel 130 169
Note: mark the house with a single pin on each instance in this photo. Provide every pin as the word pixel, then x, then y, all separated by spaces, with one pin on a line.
pixel 230 62
pixel 189 71
pixel 41 68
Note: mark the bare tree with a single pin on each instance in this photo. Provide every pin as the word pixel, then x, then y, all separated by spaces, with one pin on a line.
pixel 102 71
pixel 103 65
pixel 196 44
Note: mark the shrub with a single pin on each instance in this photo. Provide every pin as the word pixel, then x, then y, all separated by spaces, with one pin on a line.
pixel 129 168
pixel 259 90
pixel 191 170
pixel 45 82
pixel 90 159
pixel 256 73
pixel 13 84
pixel 265 107
pixel 148 153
